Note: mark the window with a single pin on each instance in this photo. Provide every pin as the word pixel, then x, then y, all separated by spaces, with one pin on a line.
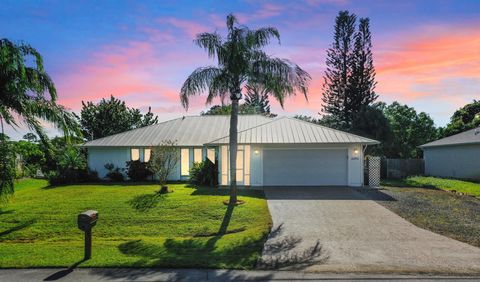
pixel 146 155
pixel 197 155
pixel 185 161
pixel 135 154
pixel 211 154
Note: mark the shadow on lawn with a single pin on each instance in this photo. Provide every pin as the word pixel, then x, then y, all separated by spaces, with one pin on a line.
pixel 17 228
pixel 202 191
pixel 197 252
pixel 145 202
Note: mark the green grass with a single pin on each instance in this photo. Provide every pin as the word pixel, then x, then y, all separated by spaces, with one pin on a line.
pixel 449 214
pixel 136 227
pixel 466 187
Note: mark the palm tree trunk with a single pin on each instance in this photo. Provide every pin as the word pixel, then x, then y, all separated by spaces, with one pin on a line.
pixel 233 151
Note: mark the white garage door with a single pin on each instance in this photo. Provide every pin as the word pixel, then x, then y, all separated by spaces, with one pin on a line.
pixel 305 167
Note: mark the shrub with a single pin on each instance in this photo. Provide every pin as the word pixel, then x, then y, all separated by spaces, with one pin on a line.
pixel 71 168
pixel 204 173
pixel 138 171
pixel 114 173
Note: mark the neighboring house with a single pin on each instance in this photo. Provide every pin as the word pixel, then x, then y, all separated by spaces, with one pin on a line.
pixel 456 156
pixel 271 151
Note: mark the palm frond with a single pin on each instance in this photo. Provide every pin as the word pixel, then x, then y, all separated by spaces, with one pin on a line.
pixel 197 82
pixel 211 42
pixel 261 37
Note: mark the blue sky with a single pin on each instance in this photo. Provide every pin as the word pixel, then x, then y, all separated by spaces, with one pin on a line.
pixel 427 53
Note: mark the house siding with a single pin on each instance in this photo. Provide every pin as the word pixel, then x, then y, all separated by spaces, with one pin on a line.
pixel 459 161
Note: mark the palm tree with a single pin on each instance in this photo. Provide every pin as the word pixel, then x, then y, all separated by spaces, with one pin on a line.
pixel 27 95
pixel 240 61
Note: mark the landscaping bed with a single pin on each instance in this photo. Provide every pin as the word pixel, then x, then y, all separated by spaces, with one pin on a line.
pixel 136 227
pixel 452 215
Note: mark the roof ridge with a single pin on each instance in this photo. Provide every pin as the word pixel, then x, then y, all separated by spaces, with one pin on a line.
pixel 333 129
pixel 250 128
pixel 434 143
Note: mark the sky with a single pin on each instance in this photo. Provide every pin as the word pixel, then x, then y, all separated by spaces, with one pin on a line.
pixel 426 53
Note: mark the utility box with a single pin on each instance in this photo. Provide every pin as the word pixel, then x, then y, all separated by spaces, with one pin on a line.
pixel 87 219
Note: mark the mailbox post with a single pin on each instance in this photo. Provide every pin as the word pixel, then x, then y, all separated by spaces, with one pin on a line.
pixel 86 220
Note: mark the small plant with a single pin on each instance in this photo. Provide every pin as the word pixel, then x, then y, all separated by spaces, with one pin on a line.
pixel 204 173
pixel 138 171
pixel 163 160
pixel 114 173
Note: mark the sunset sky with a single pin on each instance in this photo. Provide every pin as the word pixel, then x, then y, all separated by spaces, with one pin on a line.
pixel 426 53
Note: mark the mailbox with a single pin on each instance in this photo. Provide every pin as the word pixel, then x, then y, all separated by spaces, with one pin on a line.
pixel 86 220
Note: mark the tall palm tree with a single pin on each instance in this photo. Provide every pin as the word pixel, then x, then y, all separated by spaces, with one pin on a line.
pixel 27 95
pixel 240 60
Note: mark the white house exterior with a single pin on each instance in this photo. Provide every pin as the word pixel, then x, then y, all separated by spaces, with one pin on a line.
pixel 456 156
pixel 271 151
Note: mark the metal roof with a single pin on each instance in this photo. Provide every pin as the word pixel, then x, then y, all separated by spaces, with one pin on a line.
pixel 286 130
pixel 253 129
pixel 185 131
pixel 471 136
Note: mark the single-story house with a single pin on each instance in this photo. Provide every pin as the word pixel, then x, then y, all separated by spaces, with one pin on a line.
pixel 456 156
pixel 271 151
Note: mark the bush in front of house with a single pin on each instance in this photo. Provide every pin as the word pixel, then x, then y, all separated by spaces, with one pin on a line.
pixel 138 171
pixel 71 168
pixel 204 173
pixel 114 173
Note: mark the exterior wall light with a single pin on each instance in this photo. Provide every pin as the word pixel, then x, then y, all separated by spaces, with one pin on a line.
pixel 256 152
pixel 355 151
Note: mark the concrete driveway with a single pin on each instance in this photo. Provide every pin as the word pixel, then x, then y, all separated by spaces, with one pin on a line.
pixel 338 229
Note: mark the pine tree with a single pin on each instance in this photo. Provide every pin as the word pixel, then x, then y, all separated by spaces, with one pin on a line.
pixel 362 81
pixel 350 76
pixel 339 61
pixel 257 97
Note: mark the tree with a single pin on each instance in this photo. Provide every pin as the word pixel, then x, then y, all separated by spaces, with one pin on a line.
pixel 349 80
pixel 33 157
pixel 243 109
pixel 110 117
pixel 241 61
pixel 465 118
pixel 163 160
pixel 409 130
pixel 257 97
pixel 27 95
pixel 30 137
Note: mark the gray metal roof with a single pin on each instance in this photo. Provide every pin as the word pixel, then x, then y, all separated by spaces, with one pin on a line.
pixel 253 129
pixel 186 131
pixel 286 130
pixel 471 136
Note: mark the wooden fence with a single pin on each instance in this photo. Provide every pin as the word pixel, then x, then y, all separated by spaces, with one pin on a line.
pixel 401 168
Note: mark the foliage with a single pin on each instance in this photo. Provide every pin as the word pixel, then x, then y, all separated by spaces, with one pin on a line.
pixel 138 171
pixel 71 168
pixel 163 160
pixel 110 117
pixel 30 137
pixel 204 173
pixel 114 173
pixel 241 61
pixel 243 109
pixel 27 92
pixel 32 156
pixel 465 118
pixel 181 230
pixel 409 130
pixel 257 97
pixel 7 171
pixel 350 76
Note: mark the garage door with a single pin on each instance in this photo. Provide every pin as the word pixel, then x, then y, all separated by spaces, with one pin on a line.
pixel 305 167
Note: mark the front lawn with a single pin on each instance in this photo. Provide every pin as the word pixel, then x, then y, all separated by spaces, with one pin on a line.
pixel 466 187
pixel 448 214
pixel 136 227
